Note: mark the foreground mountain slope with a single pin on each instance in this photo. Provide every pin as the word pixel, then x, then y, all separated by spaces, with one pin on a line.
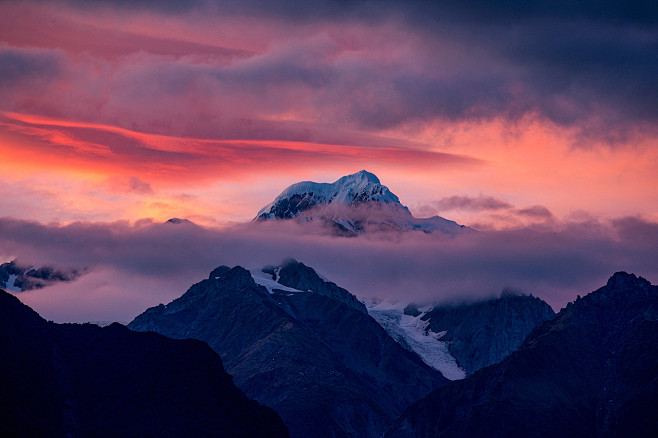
pixel 590 372
pixel 319 360
pixel 352 205
pixel 83 380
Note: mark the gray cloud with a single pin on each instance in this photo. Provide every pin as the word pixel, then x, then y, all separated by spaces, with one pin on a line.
pixel 590 66
pixel 137 185
pixel 506 11
pixel 152 263
pixel 536 211
pixel 479 203
pixel 27 64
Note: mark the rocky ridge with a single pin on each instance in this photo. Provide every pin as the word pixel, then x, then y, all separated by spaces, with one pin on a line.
pixel 588 372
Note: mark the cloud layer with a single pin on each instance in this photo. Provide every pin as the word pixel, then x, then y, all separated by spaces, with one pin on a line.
pixel 143 264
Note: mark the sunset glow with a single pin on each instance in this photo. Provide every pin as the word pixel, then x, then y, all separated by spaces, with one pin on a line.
pixel 143 108
pixel 504 119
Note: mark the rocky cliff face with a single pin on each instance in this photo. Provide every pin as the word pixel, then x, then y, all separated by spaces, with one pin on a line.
pixel 63 380
pixel 298 276
pixel 483 333
pixel 17 278
pixel 589 372
pixel 318 359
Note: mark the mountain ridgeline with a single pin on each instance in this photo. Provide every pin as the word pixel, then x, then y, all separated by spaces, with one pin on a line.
pixel 483 333
pixel 72 380
pixel 592 371
pixel 301 345
pixel 352 205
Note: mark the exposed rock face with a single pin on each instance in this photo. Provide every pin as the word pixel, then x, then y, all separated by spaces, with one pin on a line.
pixel 352 205
pixel 82 380
pixel 324 365
pixel 18 278
pixel 589 372
pixel 483 333
pixel 298 276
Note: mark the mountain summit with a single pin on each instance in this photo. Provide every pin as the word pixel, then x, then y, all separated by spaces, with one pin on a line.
pixel 352 205
pixel 352 190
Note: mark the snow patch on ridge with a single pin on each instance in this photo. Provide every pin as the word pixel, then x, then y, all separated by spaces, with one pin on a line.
pixel 10 284
pixel 264 279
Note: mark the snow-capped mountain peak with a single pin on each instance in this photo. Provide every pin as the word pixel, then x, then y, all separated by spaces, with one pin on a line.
pixel 354 189
pixel 352 205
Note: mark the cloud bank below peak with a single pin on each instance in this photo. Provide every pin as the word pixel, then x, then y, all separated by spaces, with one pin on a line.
pixel 146 263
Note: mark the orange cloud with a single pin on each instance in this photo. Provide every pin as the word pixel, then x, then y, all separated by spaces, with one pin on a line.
pixel 79 146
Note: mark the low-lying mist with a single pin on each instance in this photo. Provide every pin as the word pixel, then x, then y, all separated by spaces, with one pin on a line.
pixel 134 266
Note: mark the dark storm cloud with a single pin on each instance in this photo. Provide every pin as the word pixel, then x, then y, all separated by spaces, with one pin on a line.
pixel 586 65
pixel 636 11
pixel 583 64
pixel 22 64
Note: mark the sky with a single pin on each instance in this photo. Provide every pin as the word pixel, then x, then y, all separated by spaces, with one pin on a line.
pixel 534 122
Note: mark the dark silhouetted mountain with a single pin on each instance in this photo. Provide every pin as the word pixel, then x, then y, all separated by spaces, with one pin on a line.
pixel 592 371
pixel 312 354
pixel 352 205
pixel 17 278
pixel 483 333
pixel 70 380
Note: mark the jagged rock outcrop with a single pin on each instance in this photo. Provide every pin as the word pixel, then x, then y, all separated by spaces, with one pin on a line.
pixel 325 366
pixel 18 278
pixel 298 276
pixel 589 372
pixel 63 380
pixel 483 333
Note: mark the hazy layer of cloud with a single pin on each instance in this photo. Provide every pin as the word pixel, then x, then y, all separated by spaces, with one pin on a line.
pixel 142 264
pixel 471 203
pixel 536 211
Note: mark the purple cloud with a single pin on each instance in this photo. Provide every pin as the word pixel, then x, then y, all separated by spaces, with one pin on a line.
pixel 555 265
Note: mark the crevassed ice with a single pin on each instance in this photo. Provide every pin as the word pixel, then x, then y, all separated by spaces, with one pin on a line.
pixel 411 332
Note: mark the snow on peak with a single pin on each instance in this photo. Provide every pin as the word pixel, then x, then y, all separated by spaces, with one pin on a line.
pixel 354 189
pixel 361 175
pixel 352 205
